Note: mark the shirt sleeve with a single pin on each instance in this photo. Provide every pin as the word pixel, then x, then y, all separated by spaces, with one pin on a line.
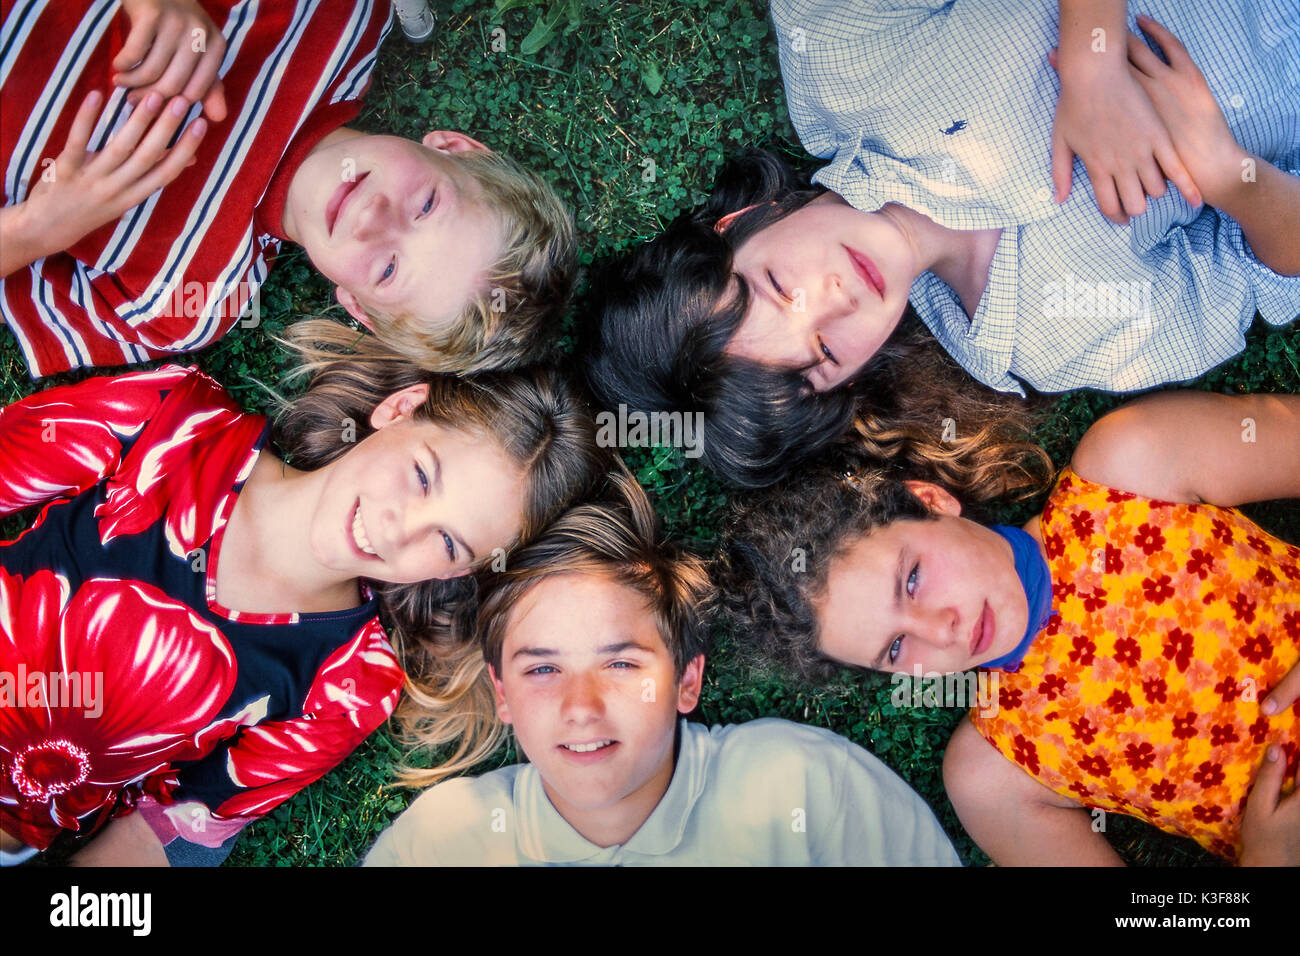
pixel 465 821
pixel 881 821
pixel 416 836
pixel 1187 293
pixel 833 55
pixel 259 767
pixel 65 440
pixel 1276 297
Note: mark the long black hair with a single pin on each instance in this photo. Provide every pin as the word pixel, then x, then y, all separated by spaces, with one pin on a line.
pixel 658 319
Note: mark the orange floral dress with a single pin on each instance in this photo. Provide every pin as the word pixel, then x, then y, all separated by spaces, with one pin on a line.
pixel 1141 696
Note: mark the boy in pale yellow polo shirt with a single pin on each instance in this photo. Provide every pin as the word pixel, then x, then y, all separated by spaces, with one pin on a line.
pixel 595 647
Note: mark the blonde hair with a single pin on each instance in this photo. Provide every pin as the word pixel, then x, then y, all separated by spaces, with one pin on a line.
pixel 617 535
pixel 534 415
pixel 511 320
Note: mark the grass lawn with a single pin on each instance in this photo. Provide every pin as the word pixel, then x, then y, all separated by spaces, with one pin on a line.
pixel 630 117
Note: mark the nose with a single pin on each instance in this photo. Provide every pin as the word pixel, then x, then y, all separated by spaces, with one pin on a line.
pixel 836 300
pixel 404 522
pixel 582 700
pixel 372 218
pixel 938 627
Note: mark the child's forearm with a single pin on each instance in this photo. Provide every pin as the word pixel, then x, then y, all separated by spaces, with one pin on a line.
pixel 1079 42
pixel 126 841
pixel 21 242
pixel 1265 202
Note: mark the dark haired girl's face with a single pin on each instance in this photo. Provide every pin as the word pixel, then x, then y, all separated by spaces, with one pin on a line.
pixel 828 284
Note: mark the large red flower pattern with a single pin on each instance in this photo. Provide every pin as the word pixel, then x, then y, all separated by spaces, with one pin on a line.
pixel 171 479
pixel 77 447
pixel 60 764
pixel 354 692
pixel 167 675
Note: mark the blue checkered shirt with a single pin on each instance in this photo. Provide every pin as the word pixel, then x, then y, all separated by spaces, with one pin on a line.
pixel 947 108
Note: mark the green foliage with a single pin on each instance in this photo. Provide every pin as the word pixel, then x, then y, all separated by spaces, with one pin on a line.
pixel 628 109
pixel 569 12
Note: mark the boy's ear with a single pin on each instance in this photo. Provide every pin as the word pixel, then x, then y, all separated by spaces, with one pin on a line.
pixel 503 709
pixel 399 405
pixel 353 307
pixel 691 685
pixel 450 142
pixel 935 497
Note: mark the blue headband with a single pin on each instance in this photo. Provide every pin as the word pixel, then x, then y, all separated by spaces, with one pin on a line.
pixel 1036 579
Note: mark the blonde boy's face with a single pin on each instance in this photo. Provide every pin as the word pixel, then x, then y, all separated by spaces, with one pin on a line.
pixel 400 226
pixel 589 686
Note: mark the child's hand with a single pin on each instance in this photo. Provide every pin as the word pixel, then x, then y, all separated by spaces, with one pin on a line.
pixel 1283 695
pixel 87 190
pixel 1270 823
pixel 1107 120
pixel 173 47
pixel 1187 109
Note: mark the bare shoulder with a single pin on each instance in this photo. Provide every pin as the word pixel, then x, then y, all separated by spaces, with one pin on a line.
pixel 1192 447
pixel 975 774
pixel 1141 447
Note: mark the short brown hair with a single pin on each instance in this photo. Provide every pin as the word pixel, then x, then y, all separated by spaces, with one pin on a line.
pixel 615 533
pixel 618 537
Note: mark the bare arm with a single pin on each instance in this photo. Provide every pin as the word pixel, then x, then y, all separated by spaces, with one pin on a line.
pixel 1106 118
pixel 1264 200
pixel 1196 447
pixel 21 239
pixel 1015 819
pixel 126 841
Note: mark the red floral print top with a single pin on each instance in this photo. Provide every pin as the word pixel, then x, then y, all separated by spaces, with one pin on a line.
pixel 1142 695
pixel 122 682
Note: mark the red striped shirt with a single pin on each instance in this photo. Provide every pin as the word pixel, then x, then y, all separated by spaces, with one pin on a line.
pixel 174 273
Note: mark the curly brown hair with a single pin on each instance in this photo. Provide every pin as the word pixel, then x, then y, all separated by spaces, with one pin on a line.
pixel 776 553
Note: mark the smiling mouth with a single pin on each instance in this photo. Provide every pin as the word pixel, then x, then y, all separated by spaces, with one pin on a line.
pixel 334 208
pixel 867 271
pixel 587 748
pixel 359 538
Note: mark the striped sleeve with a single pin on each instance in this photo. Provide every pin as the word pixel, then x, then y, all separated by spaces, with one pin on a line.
pixel 176 272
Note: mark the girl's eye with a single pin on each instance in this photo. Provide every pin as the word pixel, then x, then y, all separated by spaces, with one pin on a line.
pixel 423 478
pixel 895 649
pixel 389 270
pixel 428 206
pixel 775 285
pixel 449 544
pixel 911 579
